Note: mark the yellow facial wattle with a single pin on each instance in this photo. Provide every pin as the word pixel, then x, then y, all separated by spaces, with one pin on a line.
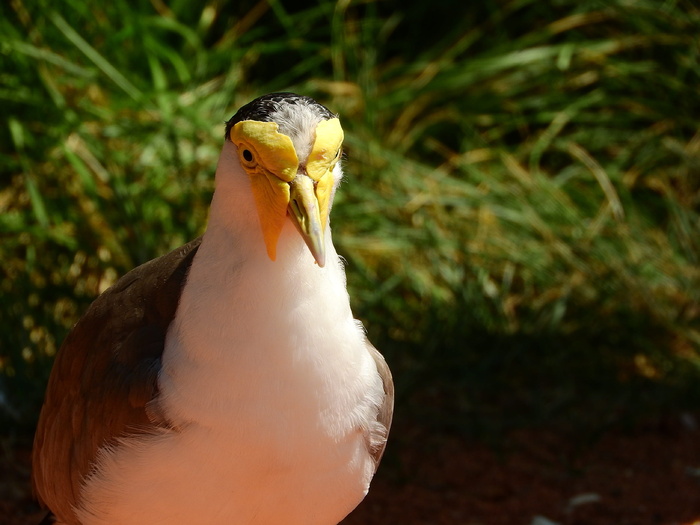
pixel 324 155
pixel 272 164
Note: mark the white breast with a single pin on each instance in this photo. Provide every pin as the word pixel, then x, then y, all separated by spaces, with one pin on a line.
pixel 271 400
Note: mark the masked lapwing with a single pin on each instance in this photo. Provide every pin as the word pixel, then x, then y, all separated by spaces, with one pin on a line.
pixel 226 382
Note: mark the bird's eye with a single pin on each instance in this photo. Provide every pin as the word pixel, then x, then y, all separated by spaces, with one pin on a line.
pixel 247 155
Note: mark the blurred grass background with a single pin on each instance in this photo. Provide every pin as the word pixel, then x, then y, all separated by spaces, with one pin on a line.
pixel 520 215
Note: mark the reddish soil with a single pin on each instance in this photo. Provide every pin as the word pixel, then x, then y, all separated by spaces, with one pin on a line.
pixel 650 476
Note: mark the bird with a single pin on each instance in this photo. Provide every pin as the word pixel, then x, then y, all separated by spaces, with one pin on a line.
pixel 228 380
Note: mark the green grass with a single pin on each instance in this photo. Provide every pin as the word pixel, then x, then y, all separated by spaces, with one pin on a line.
pixel 521 211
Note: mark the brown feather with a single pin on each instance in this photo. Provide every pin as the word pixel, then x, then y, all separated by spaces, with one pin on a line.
pixel 386 410
pixel 104 376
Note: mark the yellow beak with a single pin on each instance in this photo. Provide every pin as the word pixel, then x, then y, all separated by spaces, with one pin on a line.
pixel 305 212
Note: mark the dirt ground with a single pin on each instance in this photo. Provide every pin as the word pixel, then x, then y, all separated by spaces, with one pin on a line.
pixel 649 476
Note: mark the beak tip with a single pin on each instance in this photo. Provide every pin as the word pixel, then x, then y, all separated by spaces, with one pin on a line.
pixel 319 253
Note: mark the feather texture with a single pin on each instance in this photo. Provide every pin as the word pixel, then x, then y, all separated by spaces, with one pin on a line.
pixel 104 375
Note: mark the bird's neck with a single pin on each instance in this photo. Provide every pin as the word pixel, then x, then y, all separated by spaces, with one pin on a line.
pixel 247 321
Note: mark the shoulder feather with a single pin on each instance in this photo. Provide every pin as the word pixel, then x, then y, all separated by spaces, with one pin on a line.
pixel 386 409
pixel 104 375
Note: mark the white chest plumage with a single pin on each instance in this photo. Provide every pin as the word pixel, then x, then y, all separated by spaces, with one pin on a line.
pixel 271 410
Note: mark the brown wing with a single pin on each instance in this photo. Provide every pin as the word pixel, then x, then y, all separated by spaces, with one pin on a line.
pixel 104 374
pixel 386 410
